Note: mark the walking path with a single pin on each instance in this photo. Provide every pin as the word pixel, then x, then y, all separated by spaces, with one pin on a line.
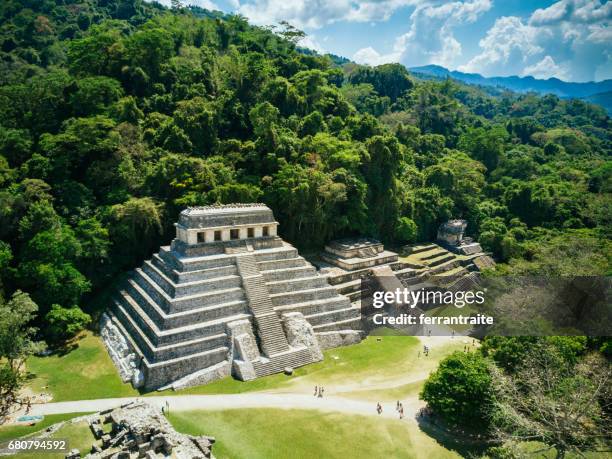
pixel 237 401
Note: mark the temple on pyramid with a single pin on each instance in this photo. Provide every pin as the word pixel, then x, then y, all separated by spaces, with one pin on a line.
pixel 227 297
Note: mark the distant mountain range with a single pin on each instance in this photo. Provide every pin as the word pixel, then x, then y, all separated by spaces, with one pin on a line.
pixel 596 92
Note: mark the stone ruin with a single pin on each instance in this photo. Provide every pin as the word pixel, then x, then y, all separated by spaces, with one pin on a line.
pixel 228 296
pixel 138 430
pixel 451 236
pixel 358 266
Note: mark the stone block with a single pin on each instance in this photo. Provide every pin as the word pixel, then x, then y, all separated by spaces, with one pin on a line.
pixel 331 339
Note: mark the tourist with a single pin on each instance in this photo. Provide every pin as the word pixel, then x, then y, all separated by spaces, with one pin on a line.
pixel 397 405
pixel 378 408
pixel 316 390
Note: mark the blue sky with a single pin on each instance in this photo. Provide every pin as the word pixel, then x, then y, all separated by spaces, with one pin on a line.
pixel 567 39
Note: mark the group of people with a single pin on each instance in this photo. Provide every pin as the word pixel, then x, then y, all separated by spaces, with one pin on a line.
pixel 318 392
pixel 398 407
pixel 425 351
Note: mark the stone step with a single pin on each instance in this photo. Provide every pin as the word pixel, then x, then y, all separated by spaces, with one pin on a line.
pixel 271 335
pixel 207 273
pixel 165 268
pixel 187 332
pixel 422 248
pixel 356 295
pixel 189 288
pixel 347 324
pixel 409 281
pixel 277 363
pixel 280 253
pixel 167 351
pixel 208 261
pixel 165 320
pixel 430 255
pixel 282 264
pixel 159 374
pixel 186 302
pixel 440 260
pixel 349 286
pixel 314 307
pixel 456 271
pixel 169 257
pixel 338 315
pixel 445 266
pixel 292 285
pixel 302 296
pixel 275 275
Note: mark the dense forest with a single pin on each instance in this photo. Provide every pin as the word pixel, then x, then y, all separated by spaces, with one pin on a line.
pixel 117 114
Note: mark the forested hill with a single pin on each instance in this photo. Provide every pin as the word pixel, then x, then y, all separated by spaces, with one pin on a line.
pixel 116 114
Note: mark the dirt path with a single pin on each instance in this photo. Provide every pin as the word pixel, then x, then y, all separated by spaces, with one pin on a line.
pixel 238 401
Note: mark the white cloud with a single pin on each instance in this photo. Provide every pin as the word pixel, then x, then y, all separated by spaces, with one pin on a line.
pixel 310 41
pixel 546 68
pixel 569 40
pixel 314 14
pixel 370 56
pixel 208 4
pixel 430 39
pixel 507 44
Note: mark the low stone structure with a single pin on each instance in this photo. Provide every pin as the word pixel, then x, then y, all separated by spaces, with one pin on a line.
pixel 451 236
pixel 139 430
pixel 357 253
pixel 228 296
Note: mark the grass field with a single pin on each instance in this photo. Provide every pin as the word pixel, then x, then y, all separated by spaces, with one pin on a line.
pixel 391 356
pixel 15 431
pixel 78 436
pixel 296 434
pixel 85 372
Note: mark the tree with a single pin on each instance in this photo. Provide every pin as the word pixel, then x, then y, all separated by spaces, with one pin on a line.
pixel 389 80
pixel 551 400
pixel 459 391
pixel 135 229
pixel 485 145
pixel 406 230
pixel 65 323
pixel 16 344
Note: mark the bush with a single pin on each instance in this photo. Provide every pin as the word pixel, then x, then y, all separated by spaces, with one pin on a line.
pixel 459 391
pixel 65 323
pixel 406 230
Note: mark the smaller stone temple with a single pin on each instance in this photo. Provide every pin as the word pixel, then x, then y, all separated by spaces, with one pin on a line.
pixel 357 253
pixel 451 236
pixel 228 296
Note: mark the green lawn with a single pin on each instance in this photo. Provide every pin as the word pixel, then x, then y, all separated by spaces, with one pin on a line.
pixel 391 356
pixel 78 435
pixel 86 372
pixel 295 434
pixel 14 431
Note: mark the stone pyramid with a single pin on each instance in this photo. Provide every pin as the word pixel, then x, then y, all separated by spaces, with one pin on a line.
pixel 228 296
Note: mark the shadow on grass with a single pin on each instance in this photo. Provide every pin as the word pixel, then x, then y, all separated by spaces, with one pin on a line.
pixel 464 444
